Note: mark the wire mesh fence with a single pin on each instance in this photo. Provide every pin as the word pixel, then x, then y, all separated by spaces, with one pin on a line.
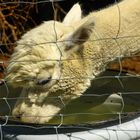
pixel 112 98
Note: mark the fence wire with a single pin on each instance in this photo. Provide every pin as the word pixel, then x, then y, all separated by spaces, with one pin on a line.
pixel 7 98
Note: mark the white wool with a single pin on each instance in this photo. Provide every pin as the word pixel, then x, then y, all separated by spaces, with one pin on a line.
pixel 77 50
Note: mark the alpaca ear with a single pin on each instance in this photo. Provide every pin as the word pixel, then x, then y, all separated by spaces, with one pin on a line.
pixel 79 35
pixel 73 15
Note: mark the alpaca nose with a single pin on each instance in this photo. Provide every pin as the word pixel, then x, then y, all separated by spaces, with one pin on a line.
pixel 44 81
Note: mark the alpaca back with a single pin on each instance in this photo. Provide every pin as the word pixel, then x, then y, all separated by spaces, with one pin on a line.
pixel 116 33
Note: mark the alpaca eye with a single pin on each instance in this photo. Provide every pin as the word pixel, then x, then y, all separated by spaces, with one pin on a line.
pixel 44 81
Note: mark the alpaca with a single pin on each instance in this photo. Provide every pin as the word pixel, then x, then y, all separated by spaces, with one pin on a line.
pixel 55 62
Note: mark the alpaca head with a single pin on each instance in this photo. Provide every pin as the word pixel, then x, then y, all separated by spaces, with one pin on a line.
pixel 37 59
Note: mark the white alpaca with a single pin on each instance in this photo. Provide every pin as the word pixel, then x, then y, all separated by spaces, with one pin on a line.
pixel 60 59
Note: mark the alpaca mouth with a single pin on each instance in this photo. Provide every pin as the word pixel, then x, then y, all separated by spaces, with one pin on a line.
pixel 44 81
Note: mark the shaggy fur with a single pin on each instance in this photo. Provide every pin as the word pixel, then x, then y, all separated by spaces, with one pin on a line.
pixel 55 62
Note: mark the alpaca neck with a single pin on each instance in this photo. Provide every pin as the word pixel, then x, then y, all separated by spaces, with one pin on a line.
pixel 114 35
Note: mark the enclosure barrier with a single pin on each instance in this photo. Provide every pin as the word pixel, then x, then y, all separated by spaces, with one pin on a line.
pixel 108 110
